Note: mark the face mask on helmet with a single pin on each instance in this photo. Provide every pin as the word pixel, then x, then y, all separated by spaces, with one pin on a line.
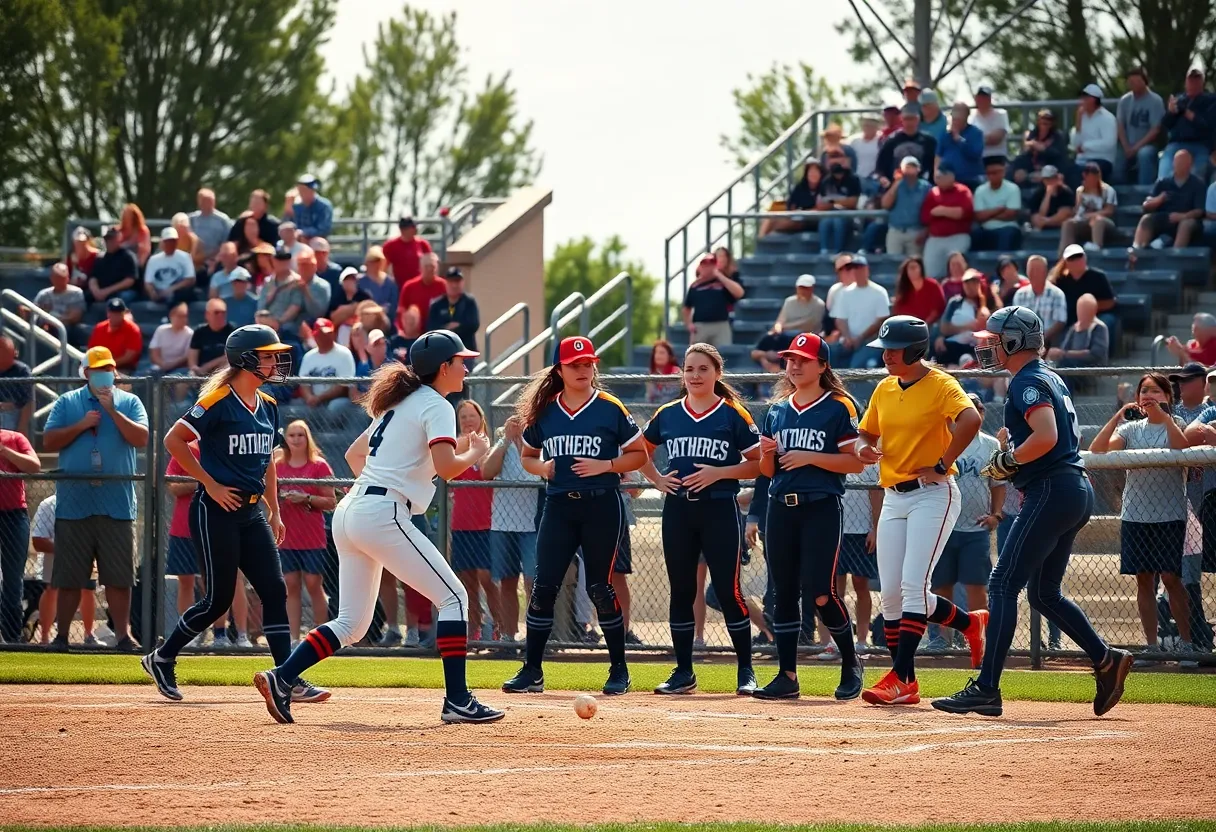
pixel 252 362
pixel 986 344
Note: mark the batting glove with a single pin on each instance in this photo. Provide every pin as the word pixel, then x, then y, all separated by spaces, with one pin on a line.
pixel 1002 466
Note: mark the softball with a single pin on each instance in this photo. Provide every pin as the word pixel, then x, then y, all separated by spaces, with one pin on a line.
pixel 585 705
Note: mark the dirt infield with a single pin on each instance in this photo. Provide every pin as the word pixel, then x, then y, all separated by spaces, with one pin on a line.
pixel 120 755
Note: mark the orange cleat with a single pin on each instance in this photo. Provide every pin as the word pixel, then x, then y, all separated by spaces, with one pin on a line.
pixel 975 636
pixel 891 691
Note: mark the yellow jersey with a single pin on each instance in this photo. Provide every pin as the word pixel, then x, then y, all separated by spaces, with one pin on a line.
pixel 913 423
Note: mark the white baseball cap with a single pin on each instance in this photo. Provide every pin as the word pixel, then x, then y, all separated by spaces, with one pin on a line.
pixel 1092 90
pixel 805 281
pixel 169 233
pixel 1072 251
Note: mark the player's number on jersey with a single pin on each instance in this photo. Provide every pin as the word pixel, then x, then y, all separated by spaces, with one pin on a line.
pixel 373 441
pixel 1072 417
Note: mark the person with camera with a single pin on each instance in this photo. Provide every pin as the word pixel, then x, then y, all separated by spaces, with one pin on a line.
pixel 1153 519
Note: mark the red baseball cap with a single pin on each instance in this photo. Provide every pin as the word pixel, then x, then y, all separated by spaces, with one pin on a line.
pixel 323 325
pixel 576 348
pixel 807 345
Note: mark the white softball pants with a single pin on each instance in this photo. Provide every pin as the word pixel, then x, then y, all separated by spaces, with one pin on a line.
pixel 373 533
pixel 912 531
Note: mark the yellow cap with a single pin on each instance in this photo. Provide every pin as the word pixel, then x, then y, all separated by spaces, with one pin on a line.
pixel 98 357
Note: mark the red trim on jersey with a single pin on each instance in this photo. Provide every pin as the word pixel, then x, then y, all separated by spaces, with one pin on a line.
pixel 439 439
pixel 595 394
pixel 699 416
pixel 807 407
pixel 1030 410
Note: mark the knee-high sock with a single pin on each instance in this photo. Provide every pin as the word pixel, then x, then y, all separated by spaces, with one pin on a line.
pixel 452 639
pixel 539 628
pixel 681 641
pixel 318 644
pixel 278 638
pixel 890 632
pixel 786 636
pixel 741 640
pixel 911 628
pixel 836 618
pixel 947 613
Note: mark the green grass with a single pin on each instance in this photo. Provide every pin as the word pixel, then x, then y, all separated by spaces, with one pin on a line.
pixel 359 672
pixel 1105 826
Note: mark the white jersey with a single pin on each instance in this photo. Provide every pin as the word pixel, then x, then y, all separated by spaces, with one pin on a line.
pixel 400 440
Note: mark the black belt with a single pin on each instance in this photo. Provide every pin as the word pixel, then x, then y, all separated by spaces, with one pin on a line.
pixel 378 490
pixel 247 498
pixel 912 485
pixel 798 499
pixel 580 495
pixel 697 496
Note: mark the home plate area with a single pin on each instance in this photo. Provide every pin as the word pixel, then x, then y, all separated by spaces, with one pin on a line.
pixel 120 755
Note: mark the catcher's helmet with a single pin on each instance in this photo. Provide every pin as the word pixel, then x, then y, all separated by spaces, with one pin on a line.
pixel 904 332
pixel 246 346
pixel 1014 329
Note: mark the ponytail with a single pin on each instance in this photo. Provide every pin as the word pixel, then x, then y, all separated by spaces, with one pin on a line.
pixel 219 378
pixel 392 383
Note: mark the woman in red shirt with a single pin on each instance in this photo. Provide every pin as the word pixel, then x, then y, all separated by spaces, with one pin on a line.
pixel 16 456
pixel 916 294
pixel 663 363
pixel 304 548
pixel 956 267
pixel 470 556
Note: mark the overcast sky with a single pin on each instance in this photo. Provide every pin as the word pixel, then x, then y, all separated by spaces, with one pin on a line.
pixel 629 98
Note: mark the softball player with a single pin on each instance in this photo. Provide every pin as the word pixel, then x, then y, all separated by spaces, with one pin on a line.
pixel 412 438
pixel 589 440
pixel 807 443
pixel 711 444
pixel 1043 463
pixel 918 423
pixel 236 426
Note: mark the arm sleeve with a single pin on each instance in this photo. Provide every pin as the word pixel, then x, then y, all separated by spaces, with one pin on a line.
pixel 846 425
pixel 57 418
pixel 1032 396
pixel 626 429
pixel 200 417
pixel 973 144
pixel 533 437
pixel 767 429
pixel 954 400
pixel 439 423
pixel 744 430
pixel 21 444
pixel 44 521
pixel 869 419
pixel 348 365
pixel 652 433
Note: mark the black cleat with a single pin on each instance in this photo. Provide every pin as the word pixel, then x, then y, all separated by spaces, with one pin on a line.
pixel 618 680
pixel 1109 680
pixel 680 681
pixel 745 684
pixel 782 687
pixel 851 678
pixel 973 699
pixel 527 680
pixel 471 711
pixel 163 676
pixel 278 701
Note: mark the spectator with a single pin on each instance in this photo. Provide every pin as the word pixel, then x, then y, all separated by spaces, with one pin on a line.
pixel 910 141
pixel 314 290
pixel 327 271
pixel 404 252
pixel 997 203
pixel 1074 276
pixel 891 119
pixel 1044 298
pixel 1173 213
pixel 181 560
pixel 190 243
pixel 802 311
pixel 839 192
pixel 1006 282
pixel 456 311
pixel 42 538
pixel 1095 137
pixel 1153 518
pixel 1053 202
pixel 833 152
pixel 169 348
pixel 844 277
pixel 967 556
pixel 1209 217
pixel 119 336
pixel 96 429
pixel 932 120
pixel 411 330
pixel 911 91
pixel 767 352
pixel 169 277
pixel 513 513
pixel 947 213
pixel 1044 146
pixel 1139 116
pixel 372 316
pixel 707 305
pixel 303 550
pixel 242 307
pixel 16 457
pixel 260 265
pixel 344 303
pixel 114 273
pixel 421 291
pixel 268 224
pixel 375 281
pixel 1086 343
pixel 211 226
pixel 917 294
pixel 358 343
pixel 803 197
pixel 471 510
pixel 727 264
pixel 312 213
pixel 663 363
pixel 1190 125
pixel 328 359
pixel 906 233
pixel 1201 347
pixel 16 399
pixel 133 233
pixel 282 297
pixel 206 353
pixel 1190 383
pixel 1094 217
pixel 859 311
pixel 221 280
pixel 965 315
pixel 250 238
pixel 956 267
pixel 66 302
pixel 82 258
pixel 291 241
pixel 377 355
pixel 994 121
pixel 865 148
pixel 962 147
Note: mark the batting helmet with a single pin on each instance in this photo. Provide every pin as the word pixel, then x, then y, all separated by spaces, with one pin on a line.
pixel 436 348
pixel 246 346
pixel 1014 329
pixel 904 332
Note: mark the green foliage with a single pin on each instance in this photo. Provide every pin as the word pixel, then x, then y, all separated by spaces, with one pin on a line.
pixel 577 266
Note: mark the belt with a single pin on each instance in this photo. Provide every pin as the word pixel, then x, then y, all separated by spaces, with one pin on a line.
pixel 380 491
pixel 913 485
pixel 798 499
pixel 247 498
pixel 581 495
pixel 697 496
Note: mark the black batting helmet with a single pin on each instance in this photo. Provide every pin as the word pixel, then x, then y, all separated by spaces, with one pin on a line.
pixel 246 346
pixel 436 348
pixel 904 332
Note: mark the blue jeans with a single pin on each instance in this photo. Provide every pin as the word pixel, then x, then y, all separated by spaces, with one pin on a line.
pixel 1111 319
pixel 834 234
pixel 14 541
pixel 1199 151
pixel 1005 238
pixel 1145 162
pixel 874 236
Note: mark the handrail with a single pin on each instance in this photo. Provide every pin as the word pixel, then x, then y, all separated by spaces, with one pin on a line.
pixel 489 365
pixel 1155 350
pixel 36 312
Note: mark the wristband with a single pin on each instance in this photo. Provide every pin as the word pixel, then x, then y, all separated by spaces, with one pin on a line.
pixel 941 467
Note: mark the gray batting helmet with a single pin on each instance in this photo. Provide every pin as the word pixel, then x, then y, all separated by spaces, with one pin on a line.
pixel 1014 329
pixel 436 348
pixel 904 332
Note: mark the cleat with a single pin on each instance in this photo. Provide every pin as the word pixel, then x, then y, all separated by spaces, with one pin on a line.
pixel 1109 679
pixel 851 679
pixel 782 687
pixel 527 680
pixel 975 636
pixel 973 699
pixel 303 691
pixel 471 711
pixel 746 682
pixel 278 701
pixel 618 680
pixel 163 676
pixel 891 691
pixel 680 681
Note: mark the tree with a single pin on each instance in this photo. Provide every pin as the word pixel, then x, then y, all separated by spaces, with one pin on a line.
pixel 577 266
pixel 770 103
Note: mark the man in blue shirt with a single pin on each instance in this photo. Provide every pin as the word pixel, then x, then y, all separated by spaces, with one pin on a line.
pixel 903 231
pixel 963 146
pixel 96 429
pixel 312 213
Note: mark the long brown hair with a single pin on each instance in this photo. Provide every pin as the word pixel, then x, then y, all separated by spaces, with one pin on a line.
pixel 828 380
pixel 665 344
pixel 484 427
pixel 903 286
pixel 311 449
pixel 1163 383
pixel 721 388
pixel 544 387
pixel 392 383
pixel 219 378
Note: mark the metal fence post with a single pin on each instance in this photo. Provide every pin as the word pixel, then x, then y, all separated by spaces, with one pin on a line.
pixel 152 569
pixel 1036 640
pixel 444 536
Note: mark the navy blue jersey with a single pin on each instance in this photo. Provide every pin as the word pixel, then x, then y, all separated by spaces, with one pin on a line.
pixel 234 442
pixel 1033 387
pixel 827 425
pixel 597 430
pixel 719 436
